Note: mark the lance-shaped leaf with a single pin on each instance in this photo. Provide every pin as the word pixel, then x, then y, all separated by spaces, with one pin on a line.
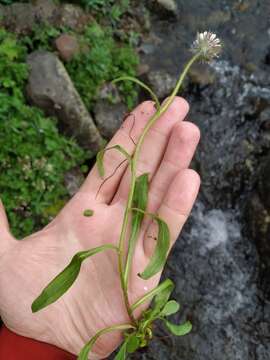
pixel 100 157
pixel 170 308
pixel 140 199
pixel 62 282
pixel 133 343
pixel 122 353
pixel 140 83
pixel 84 353
pixel 179 330
pixel 161 293
pixel 158 259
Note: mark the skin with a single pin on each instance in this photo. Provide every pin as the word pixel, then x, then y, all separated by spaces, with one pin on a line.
pixel 95 300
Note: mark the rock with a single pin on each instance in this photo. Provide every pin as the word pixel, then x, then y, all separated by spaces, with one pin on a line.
pixel 109 117
pixel 50 88
pixel 110 92
pixel 67 46
pixel 21 17
pixel 73 180
pixel 264 184
pixel 201 75
pixel 45 11
pixel 167 6
pixel 143 69
pixel 161 82
pixel 73 16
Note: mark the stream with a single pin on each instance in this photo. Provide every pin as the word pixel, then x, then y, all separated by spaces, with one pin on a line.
pixel 220 264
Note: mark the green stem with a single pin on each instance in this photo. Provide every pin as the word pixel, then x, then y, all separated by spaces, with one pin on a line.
pixel 88 347
pixel 133 165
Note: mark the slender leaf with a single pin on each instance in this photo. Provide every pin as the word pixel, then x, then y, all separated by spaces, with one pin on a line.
pixel 133 343
pixel 140 199
pixel 143 85
pixel 179 330
pixel 84 353
pixel 121 355
pixel 159 257
pixel 62 282
pixel 170 308
pixel 161 293
pixel 100 166
pixel 100 157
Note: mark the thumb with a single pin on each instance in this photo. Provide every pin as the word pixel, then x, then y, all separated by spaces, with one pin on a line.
pixel 6 239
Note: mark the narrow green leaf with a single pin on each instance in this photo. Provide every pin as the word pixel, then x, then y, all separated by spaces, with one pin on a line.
pixel 84 353
pixel 159 257
pixel 100 166
pixel 133 343
pixel 170 308
pixel 140 199
pixel 121 355
pixel 161 293
pixel 179 330
pixel 143 85
pixel 100 157
pixel 62 282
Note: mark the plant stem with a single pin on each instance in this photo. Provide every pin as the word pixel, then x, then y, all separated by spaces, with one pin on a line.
pixel 133 166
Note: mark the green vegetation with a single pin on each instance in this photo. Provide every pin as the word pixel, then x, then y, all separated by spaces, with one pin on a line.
pixel 34 156
pixel 104 61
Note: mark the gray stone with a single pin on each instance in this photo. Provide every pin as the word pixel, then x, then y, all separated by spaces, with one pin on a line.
pixel 161 82
pixel 72 16
pixel 51 88
pixel 73 180
pixel 109 117
pixel 164 8
pixel 21 17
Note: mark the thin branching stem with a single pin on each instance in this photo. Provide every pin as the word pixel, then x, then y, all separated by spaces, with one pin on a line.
pixel 133 165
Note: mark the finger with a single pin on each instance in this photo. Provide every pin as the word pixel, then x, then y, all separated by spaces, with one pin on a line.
pixel 126 136
pixel 175 208
pixel 154 145
pixel 178 155
pixel 6 239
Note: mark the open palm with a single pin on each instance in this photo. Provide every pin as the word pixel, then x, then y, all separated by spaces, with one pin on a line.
pixel 95 300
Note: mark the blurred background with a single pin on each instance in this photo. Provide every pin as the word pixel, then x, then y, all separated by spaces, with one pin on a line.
pixel 57 108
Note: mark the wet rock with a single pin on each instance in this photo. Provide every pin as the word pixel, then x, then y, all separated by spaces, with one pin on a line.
pixel 50 88
pixel 161 82
pixel 109 117
pixel 264 184
pixel 166 7
pixel 67 46
pixel 73 180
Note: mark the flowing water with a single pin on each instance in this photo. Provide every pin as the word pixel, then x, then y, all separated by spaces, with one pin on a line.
pixel 216 263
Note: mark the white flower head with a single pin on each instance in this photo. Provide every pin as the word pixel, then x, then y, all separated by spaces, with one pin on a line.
pixel 208 44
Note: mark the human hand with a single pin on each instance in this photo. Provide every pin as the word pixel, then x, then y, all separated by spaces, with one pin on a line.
pixel 95 300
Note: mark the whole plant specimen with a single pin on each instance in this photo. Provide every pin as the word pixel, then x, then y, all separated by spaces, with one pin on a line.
pixel 139 330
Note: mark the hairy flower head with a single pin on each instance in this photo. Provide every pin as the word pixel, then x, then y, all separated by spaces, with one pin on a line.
pixel 208 44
